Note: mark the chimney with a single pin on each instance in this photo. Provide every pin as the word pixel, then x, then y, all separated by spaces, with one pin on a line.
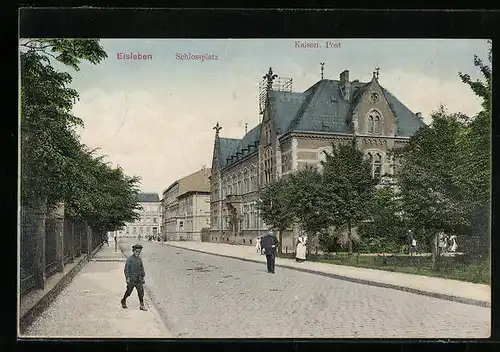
pixel 345 85
pixel 419 115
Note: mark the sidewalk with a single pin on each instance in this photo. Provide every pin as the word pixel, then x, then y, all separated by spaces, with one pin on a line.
pixel 89 306
pixel 454 290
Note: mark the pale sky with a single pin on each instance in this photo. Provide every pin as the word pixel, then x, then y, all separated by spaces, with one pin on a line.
pixel 154 118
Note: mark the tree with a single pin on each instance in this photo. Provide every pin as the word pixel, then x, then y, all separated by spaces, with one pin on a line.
pixel 432 200
pixel 274 206
pixel 101 195
pixel 474 169
pixel 55 165
pixel 305 202
pixel 47 124
pixel 386 225
pixel 348 187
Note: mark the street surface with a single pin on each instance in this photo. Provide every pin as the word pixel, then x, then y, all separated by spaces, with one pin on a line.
pixel 206 296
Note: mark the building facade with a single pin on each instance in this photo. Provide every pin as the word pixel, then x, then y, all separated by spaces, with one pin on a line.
pixel 295 131
pixel 186 207
pixel 148 224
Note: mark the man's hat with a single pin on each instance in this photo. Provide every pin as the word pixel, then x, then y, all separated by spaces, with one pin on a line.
pixel 136 246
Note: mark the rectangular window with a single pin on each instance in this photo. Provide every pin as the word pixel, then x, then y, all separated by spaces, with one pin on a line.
pixel 154 220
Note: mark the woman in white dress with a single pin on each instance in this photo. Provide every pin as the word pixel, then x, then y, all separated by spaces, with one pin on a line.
pixel 300 252
pixel 454 245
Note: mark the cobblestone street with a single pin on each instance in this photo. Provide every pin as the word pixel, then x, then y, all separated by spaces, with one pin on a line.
pixel 201 295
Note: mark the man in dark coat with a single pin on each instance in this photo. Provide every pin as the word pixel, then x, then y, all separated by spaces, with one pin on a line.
pixel 134 275
pixel 270 244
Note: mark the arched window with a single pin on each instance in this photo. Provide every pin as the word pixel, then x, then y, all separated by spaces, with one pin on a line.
pixel 370 124
pixel 240 182
pixel 374 122
pixel 246 180
pixel 253 178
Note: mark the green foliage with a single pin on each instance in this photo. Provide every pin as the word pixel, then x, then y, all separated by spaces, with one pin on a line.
pixel 67 51
pixel 379 244
pixel 329 243
pixel 348 185
pixel 275 204
pixel 55 166
pixel 306 197
pixel 385 225
pixel 431 197
pixel 446 173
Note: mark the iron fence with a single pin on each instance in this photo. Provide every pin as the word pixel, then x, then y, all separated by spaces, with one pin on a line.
pixel 27 228
pixel 51 264
pixel 59 248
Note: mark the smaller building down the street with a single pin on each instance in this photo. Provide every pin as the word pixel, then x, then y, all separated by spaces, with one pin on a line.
pixel 186 207
pixel 148 225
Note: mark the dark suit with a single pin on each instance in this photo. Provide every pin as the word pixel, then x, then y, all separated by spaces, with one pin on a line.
pixel 270 244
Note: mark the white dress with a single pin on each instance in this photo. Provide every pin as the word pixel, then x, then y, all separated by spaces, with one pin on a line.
pixel 454 245
pixel 301 249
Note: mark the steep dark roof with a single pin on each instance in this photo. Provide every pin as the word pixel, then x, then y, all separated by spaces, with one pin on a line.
pixel 284 107
pixel 248 144
pixel 408 122
pixel 226 148
pixel 148 197
pixel 321 108
pixel 324 109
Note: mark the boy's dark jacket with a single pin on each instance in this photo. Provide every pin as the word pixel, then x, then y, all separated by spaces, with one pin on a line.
pixel 134 270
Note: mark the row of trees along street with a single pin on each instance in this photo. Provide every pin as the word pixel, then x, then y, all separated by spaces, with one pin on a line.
pixel 442 185
pixel 63 181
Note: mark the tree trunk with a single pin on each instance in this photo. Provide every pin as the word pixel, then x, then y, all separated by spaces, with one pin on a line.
pixel 435 252
pixel 349 237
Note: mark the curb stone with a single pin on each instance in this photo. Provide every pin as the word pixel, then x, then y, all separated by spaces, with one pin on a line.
pixel 41 305
pixel 359 281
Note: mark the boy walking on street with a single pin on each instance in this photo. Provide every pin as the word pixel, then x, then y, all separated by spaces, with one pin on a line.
pixel 134 275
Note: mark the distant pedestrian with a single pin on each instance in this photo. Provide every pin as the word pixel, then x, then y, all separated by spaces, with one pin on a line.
pixel 257 245
pixel 409 240
pixel 270 244
pixel 413 248
pixel 105 239
pixel 134 275
pixel 300 252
